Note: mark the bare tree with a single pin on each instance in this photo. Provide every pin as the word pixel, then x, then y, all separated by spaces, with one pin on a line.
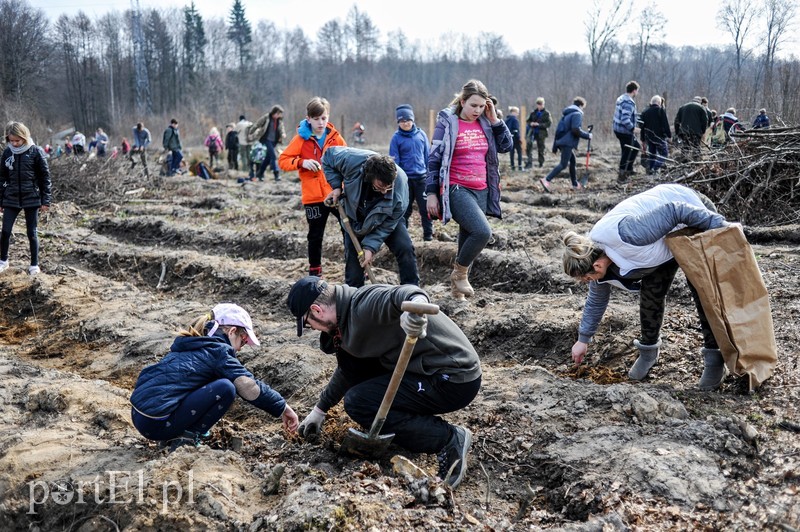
pixel 651 31
pixel 736 17
pixel 363 34
pixel 602 28
pixel 779 16
pixel 331 43
pixel 491 47
pixel 23 36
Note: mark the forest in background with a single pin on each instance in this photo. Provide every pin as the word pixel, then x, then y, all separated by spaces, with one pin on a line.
pixel 84 73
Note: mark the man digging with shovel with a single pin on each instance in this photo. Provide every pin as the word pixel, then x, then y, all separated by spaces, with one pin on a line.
pixel 366 329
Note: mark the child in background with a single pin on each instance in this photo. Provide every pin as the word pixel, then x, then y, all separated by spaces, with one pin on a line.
pixel 232 145
pixel 315 134
pixel 214 144
pixel 25 179
pixel 410 149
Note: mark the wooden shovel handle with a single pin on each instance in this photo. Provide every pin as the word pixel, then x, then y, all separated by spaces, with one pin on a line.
pixel 354 239
pixel 400 367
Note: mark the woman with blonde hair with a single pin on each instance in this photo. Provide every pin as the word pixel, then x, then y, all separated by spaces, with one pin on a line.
pixel 25 178
pixel 179 398
pixel 215 146
pixel 626 249
pixel 463 181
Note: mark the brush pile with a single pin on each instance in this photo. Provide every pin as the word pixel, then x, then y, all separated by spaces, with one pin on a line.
pixel 753 179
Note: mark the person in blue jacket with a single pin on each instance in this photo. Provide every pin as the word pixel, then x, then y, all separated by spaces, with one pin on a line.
pixel 568 135
pixel 183 395
pixel 410 147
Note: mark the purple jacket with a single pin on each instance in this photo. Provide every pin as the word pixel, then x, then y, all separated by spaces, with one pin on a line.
pixel 442 146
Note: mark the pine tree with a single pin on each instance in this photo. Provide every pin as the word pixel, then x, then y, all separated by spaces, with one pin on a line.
pixel 194 41
pixel 240 32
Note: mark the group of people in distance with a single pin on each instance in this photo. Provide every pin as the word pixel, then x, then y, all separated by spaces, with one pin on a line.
pixel 456 177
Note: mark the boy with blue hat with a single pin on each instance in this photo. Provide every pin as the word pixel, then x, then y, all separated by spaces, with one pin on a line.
pixel 410 148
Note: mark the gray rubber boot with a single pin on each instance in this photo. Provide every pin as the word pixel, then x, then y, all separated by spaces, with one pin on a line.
pixel 648 354
pixel 714 370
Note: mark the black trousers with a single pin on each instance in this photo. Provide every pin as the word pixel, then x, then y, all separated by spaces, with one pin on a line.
pixel 317 218
pixel 413 417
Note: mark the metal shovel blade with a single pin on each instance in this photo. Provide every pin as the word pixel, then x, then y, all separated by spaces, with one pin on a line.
pixel 361 444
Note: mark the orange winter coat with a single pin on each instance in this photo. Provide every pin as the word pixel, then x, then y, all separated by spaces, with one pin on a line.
pixel 314 186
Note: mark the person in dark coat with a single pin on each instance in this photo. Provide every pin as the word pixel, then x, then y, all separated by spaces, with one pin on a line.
pixel 232 147
pixel 25 177
pixel 655 127
pixel 365 329
pixel 762 120
pixel 536 132
pixel 179 398
pixel 691 122
pixel 512 121
pixel 569 132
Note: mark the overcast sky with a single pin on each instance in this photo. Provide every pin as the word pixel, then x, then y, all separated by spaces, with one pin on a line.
pixel 532 25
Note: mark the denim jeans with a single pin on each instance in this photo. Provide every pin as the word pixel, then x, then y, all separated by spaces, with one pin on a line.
pixel 567 159
pixel 468 208
pixel 657 147
pixel 399 243
pixel 412 418
pixel 270 160
pixel 31 223
pixel 175 162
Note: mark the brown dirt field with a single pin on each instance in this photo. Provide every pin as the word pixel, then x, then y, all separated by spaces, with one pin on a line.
pixel 556 447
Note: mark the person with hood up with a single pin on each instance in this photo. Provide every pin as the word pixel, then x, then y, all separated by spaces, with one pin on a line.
pixel 568 135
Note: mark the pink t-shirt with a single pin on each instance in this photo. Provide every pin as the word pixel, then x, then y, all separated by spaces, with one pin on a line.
pixel 468 166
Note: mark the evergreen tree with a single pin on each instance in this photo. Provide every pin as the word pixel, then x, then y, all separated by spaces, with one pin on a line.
pixel 240 32
pixel 194 41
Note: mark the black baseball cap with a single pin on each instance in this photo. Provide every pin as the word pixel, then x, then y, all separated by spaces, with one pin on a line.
pixel 302 295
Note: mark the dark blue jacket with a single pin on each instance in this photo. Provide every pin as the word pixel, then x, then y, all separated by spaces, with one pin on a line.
pixel 569 132
pixel 25 179
pixel 193 362
pixel 410 151
pixel 513 126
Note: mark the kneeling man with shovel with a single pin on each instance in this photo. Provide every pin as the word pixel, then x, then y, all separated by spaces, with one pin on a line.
pixel 375 332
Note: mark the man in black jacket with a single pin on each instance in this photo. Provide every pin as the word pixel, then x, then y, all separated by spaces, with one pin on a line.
pixel 691 122
pixel 365 329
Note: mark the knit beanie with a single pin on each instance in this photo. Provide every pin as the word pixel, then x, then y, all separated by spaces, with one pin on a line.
pixel 405 112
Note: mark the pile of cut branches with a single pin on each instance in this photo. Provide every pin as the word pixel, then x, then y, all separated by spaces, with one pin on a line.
pixel 754 179
pixel 91 181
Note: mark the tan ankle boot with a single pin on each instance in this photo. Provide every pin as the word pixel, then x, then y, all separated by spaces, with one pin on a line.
pixel 460 286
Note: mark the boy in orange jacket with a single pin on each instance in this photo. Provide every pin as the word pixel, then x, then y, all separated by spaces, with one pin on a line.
pixel 314 135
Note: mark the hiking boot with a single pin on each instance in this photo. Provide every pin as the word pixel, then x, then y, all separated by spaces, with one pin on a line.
pixel 180 441
pixel 546 185
pixel 3 265
pixel 427 238
pixel 648 355
pixel 459 282
pixel 454 456
pixel 714 370
pixel 34 270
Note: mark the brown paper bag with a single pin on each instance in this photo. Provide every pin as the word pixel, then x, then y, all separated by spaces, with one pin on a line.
pixel 721 266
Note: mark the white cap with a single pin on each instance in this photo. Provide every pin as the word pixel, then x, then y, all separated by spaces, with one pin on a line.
pixel 230 314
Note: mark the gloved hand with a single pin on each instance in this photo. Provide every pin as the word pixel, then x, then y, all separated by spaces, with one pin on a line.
pixel 415 325
pixel 311 426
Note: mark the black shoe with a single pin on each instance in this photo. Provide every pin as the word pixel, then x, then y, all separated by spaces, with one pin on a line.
pixel 455 452
pixel 427 238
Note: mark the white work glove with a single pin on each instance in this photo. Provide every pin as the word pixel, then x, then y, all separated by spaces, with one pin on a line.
pixel 311 426
pixel 415 325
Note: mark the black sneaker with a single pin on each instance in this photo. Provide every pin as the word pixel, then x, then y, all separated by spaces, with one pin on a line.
pixel 455 452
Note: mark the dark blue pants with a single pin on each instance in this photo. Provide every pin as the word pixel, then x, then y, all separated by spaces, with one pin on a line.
pixel 175 162
pixel 197 413
pixel 516 146
pixel 628 156
pixel 412 418
pixel 399 243
pixel 416 192
pixel 567 159
pixel 31 222
pixel 270 160
pixel 657 147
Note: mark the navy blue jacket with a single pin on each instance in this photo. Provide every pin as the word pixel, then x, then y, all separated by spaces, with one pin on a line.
pixel 513 126
pixel 410 151
pixel 568 131
pixel 193 362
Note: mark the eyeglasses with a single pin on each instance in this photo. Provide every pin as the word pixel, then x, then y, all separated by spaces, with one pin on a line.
pixel 402 120
pixel 377 186
pixel 305 319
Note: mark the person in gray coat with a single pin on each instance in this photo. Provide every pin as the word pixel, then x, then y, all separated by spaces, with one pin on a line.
pixel 374 192
pixel 365 329
pixel 626 249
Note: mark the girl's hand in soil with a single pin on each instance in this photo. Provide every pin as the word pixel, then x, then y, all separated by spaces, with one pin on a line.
pixel 578 352
pixel 290 421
